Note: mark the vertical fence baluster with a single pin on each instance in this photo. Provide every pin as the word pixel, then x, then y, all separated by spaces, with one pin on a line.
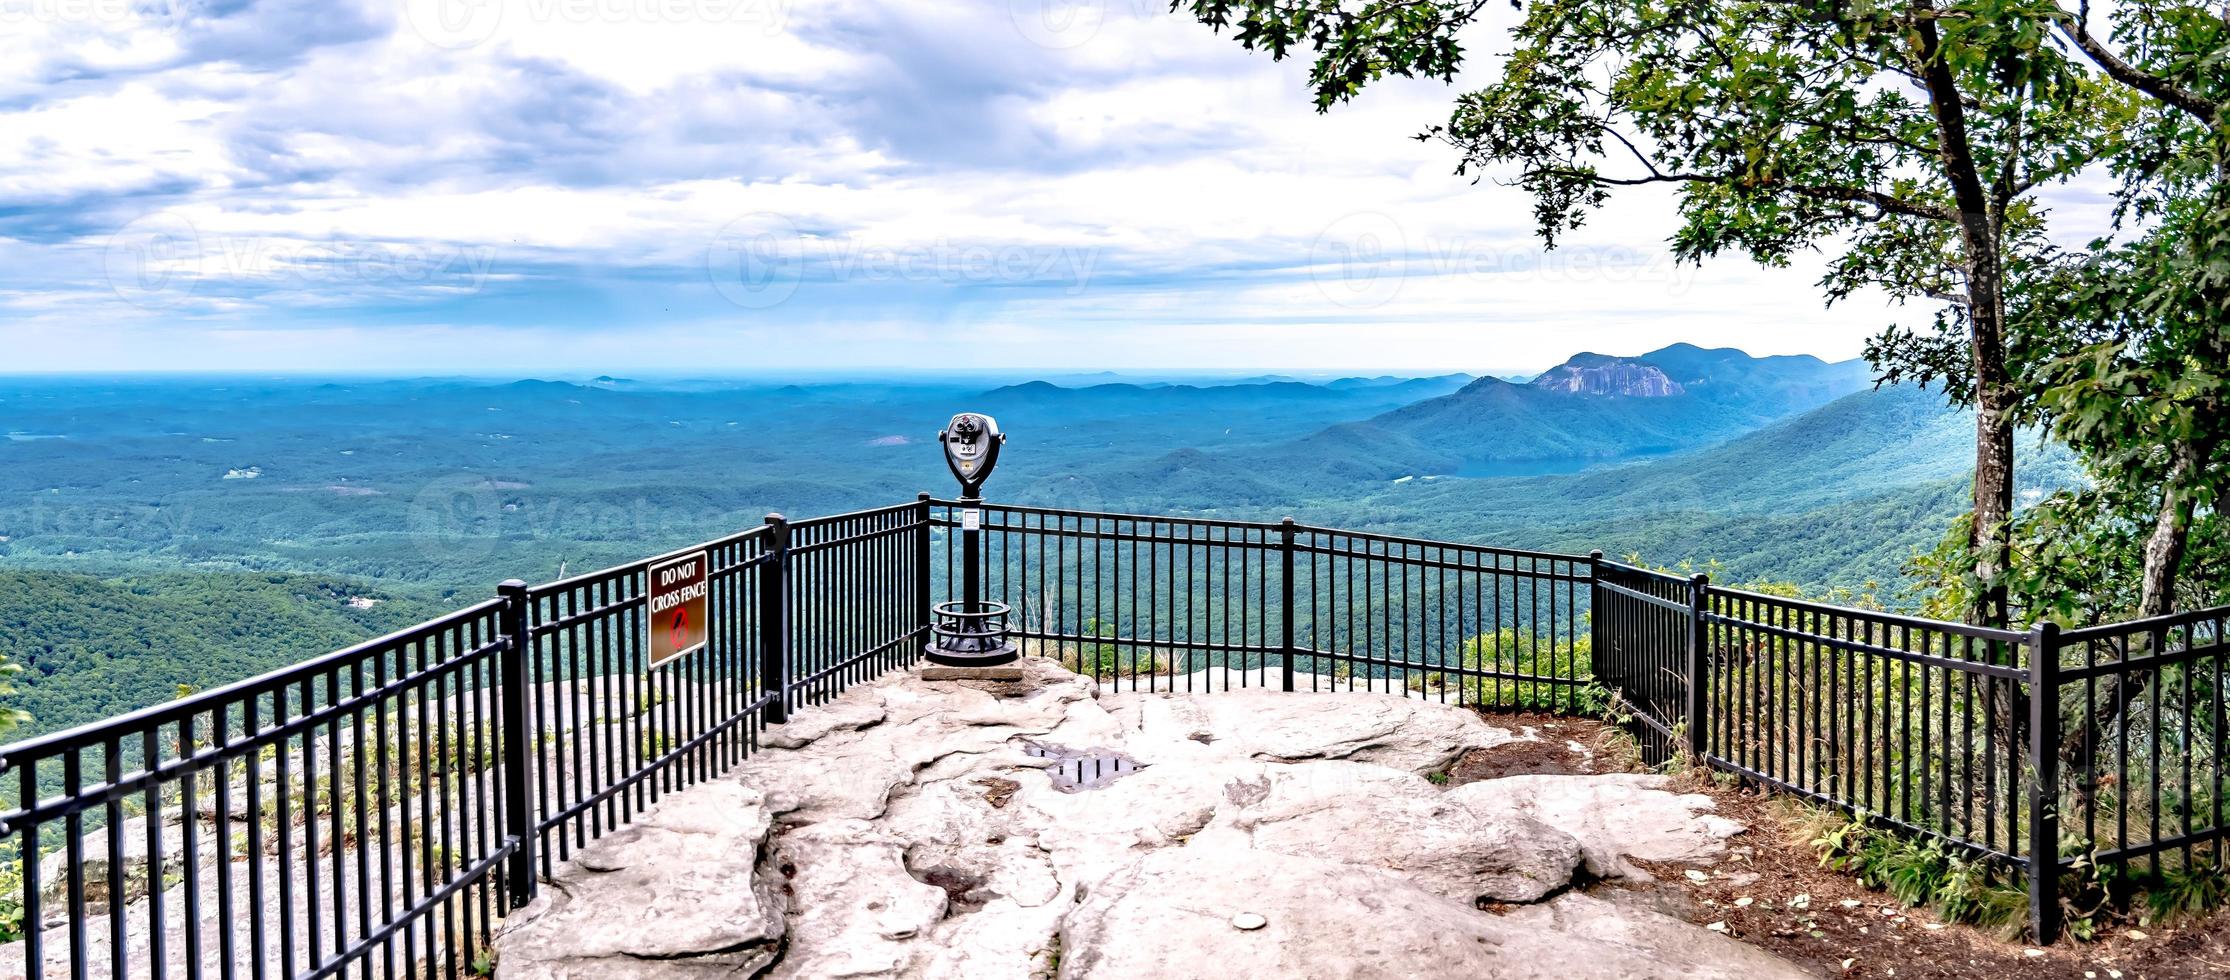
pixel 2044 784
pixel 774 623
pixel 1698 664
pixel 1285 602
pixel 512 688
pixel 920 631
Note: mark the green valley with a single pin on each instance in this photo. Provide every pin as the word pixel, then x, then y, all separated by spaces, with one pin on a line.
pixel 165 531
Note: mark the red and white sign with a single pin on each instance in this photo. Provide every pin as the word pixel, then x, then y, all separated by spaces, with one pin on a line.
pixel 680 593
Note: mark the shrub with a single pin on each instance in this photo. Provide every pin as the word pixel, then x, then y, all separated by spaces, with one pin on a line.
pixel 1923 872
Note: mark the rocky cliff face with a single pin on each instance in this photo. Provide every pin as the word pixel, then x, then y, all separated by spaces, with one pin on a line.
pixel 1608 377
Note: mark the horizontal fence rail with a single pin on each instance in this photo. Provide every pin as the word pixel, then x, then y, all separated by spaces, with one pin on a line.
pixel 379 809
pixel 342 814
pixel 1163 603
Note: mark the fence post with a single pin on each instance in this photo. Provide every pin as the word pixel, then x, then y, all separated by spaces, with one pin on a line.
pixel 512 688
pixel 1285 551
pixel 2044 788
pixel 1699 666
pixel 774 623
pixel 922 601
pixel 1597 666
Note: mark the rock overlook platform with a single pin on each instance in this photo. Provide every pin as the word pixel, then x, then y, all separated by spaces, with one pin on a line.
pixel 1044 828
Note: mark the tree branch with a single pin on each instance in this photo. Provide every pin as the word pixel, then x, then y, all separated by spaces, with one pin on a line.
pixel 2075 27
pixel 1888 203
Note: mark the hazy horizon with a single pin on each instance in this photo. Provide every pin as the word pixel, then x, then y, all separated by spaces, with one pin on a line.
pixel 873 373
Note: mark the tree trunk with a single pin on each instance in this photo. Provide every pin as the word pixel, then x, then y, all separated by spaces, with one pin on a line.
pixel 1978 232
pixel 1993 476
pixel 1993 389
pixel 2164 548
pixel 2164 554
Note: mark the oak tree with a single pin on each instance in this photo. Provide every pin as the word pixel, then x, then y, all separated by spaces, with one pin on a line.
pixel 1906 139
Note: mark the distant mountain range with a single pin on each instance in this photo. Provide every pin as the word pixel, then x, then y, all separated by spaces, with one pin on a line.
pixel 1592 409
pixel 1165 396
pixel 1842 494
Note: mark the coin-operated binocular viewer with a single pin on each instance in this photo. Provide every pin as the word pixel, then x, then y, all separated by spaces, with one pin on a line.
pixel 971 632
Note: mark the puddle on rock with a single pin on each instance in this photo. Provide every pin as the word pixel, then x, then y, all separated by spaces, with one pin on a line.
pixel 1076 770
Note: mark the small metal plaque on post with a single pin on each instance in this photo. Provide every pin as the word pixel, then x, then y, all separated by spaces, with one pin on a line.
pixel 680 590
pixel 971 520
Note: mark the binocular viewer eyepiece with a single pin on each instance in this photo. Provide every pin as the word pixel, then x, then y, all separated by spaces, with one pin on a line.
pixel 971 441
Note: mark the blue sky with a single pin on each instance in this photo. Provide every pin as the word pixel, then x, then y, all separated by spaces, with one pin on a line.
pixel 693 186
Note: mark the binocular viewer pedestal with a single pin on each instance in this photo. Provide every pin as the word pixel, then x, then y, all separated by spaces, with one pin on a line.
pixel 971 634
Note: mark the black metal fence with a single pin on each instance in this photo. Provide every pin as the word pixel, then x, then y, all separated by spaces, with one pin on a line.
pixel 1162 603
pixel 344 814
pixel 2091 750
pixel 374 811
pixel 1641 644
pixel 839 599
pixel 379 808
pixel 2142 739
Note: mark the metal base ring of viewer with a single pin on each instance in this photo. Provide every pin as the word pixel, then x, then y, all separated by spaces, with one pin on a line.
pixel 971 635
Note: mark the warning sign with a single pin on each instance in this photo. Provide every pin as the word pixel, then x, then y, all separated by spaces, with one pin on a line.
pixel 679 589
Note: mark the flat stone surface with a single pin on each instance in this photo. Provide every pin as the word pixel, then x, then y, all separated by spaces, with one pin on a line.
pixel 1170 915
pixel 1340 812
pixel 910 828
pixel 1614 816
pixel 1271 725
pixel 689 898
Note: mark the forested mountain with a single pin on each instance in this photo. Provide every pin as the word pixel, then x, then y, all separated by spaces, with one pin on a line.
pixel 1607 409
pixel 163 531
pixel 1589 411
pixel 455 484
pixel 1839 495
pixel 90 647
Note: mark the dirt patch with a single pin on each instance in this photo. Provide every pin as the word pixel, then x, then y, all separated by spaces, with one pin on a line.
pixel 998 791
pixel 1772 892
pixel 1550 745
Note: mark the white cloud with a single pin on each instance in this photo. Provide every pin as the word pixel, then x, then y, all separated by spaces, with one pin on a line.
pixel 532 181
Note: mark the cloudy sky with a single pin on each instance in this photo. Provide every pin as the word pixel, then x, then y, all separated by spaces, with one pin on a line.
pixel 692 186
